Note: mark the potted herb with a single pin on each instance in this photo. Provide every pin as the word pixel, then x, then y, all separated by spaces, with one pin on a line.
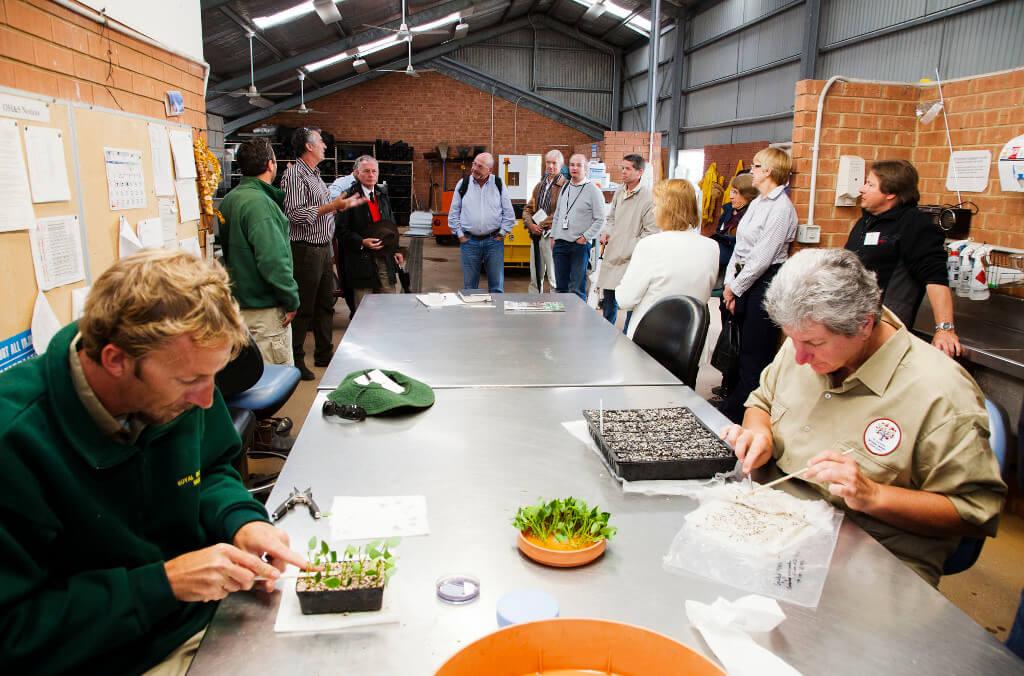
pixel 351 582
pixel 562 532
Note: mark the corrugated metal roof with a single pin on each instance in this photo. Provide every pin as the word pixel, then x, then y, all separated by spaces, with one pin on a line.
pixel 905 56
pixel 716 20
pixel 842 19
pixel 1000 28
pixel 774 39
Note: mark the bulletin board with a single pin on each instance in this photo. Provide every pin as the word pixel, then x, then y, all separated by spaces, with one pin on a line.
pixel 85 132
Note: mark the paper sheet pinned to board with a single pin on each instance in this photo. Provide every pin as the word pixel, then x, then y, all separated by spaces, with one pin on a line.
pixel 191 245
pixel 163 172
pixel 128 241
pixel 47 170
pixel 78 298
pixel 151 233
pixel 184 156
pixel 57 251
pixel 168 211
pixel 45 324
pixel 16 211
pixel 188 199
pixel 126 181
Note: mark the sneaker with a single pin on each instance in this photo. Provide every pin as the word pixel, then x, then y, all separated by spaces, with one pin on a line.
pixel 305 373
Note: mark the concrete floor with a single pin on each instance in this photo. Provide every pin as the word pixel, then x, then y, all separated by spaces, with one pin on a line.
pixel 988 592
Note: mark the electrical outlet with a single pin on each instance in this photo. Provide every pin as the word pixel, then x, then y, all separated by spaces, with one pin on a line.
pixel 808 234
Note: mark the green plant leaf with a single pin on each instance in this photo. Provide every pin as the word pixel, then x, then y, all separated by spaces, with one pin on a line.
pixel 350 551
pixel 332 582
pixel 312 543
pixel 317 577
pixel 334 556
pixel 324 547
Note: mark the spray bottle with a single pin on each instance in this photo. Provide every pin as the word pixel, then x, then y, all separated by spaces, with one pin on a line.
pixel 963 287
pixel 953 262
pixel 979 284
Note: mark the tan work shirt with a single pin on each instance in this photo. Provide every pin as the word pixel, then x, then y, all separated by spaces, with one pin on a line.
pixel 630 219
pixel 914 418
pixel 125 430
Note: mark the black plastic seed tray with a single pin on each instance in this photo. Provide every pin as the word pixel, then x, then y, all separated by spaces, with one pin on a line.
pixel 659 443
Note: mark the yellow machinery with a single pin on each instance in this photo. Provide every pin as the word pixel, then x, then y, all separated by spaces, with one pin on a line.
pixel 517 246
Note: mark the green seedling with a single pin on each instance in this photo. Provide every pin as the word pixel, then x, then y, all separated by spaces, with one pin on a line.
pixel 357 567
pixel 567 520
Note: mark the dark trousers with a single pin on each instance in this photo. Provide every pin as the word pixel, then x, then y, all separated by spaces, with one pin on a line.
pixel 759 340
pixel 609 308
pixel 315 277
pixel 571 267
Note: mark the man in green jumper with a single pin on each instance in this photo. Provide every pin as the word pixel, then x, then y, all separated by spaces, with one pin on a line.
pixel 121 516
pixel 257 253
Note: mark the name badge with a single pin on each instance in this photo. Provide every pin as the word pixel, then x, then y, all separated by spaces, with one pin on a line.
pixel 565 223
pixel 871 238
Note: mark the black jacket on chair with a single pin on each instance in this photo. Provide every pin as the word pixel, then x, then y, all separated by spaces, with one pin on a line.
pixel 351 228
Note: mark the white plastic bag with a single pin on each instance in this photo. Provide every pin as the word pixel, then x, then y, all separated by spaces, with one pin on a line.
pixel 768 542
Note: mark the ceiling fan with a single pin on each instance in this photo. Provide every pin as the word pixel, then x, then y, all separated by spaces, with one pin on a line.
pixel 403 32
pixel 255 96
pixel 302 109
pixel 408 70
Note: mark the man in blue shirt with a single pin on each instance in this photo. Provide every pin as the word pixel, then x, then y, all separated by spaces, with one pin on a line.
pixel 480 216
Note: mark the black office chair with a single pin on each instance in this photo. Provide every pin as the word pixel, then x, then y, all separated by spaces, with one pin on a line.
pixel 673 332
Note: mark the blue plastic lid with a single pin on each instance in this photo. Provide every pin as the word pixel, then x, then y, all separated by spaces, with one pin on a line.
pixel 526 605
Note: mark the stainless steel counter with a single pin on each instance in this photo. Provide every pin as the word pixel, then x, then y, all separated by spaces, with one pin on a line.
pixel 479 454
pixel 484 347
pixel 992 331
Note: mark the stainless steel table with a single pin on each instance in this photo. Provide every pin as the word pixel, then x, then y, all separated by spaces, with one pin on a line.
pixel 485 347
pixel 478 455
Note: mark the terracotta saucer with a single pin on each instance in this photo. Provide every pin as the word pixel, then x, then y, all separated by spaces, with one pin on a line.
pixel 560 558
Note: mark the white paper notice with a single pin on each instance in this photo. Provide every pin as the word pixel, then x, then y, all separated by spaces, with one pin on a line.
pixel 163 176
pixel 126 184
pixel 191 245
pixel 46 168
pixel 188 199
pixel 968 170
pixel 78 298
pixel 57 251
pixel 184 156
pixel 151 234
pixel 168 210
pixel 128 242
pixel 384 516
pixel 44 324
pixel 15 200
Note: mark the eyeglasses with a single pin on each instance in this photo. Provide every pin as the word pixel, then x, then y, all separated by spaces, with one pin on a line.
pixel 757 166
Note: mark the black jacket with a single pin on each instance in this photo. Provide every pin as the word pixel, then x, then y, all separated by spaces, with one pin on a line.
pixel 909 255
pixel 351 228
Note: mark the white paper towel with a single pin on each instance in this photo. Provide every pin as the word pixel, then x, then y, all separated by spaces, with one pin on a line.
pixel 290 617
pixel 725 626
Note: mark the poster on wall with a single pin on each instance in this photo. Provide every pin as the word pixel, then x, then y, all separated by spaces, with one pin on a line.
pixel 47 169
pixel 16 211
pixel 57 251
pixel 160 146
pixel 126 184
pixel 16 349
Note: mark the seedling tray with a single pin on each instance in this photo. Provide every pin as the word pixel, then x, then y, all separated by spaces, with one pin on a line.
pixel 341 600
pixel 659 443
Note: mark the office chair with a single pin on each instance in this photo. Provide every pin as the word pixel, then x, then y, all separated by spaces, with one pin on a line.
pixel 673 332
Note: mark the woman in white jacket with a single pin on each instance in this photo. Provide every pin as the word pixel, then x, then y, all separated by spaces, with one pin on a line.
pixel 676 261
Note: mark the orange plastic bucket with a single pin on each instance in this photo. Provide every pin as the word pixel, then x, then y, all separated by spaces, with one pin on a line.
pixel 567 646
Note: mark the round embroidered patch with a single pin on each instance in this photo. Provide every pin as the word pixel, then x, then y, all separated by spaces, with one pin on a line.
pixel 882 436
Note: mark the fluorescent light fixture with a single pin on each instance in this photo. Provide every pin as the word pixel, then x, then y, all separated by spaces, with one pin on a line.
pixel 329 61
pixel 594 11
pixel 460 30
pixel 637 23
pixel 431 25
pixel 286 15
pixel 374 47
pixel 360 65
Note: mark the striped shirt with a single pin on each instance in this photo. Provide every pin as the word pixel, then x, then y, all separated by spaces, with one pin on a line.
pixel 762 239
pixel 304 193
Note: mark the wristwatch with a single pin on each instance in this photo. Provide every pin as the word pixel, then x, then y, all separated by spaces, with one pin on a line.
pixel 945 326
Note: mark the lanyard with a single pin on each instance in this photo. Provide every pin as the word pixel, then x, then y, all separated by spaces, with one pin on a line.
pixel 573 203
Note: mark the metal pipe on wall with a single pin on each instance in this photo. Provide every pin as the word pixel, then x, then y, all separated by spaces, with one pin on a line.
pixel 652 75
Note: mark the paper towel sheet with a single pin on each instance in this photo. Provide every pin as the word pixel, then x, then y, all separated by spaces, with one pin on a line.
pixel 725 626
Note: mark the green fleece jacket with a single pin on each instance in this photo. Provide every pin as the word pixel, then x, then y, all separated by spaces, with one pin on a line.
pixel 256 249
pixel 86 524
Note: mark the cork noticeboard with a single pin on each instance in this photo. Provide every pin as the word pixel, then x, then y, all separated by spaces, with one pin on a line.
pixel 85 132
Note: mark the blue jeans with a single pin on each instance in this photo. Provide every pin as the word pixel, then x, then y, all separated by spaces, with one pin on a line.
pixel 610 309
pixel 490 253
pixel 571 267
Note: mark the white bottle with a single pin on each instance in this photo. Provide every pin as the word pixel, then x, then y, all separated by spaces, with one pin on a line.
pixel 963 287
pixel 953 267
pixel 979 285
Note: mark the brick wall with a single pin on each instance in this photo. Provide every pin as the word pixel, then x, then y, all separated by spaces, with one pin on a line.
pixel 618 144
pixel 49 50
pixel 434 109
pixel 726 156
pixel 878 122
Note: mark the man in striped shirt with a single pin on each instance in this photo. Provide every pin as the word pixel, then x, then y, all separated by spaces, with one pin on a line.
pixel 310 212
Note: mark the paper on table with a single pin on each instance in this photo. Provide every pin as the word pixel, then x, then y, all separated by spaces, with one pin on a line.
pixel 128 241
pixel 188 199
pixel 78 298
pixel 151 233
pixel 725 628
pixel 47 170
pixel 44 324
pixel 435 300
pixel 290 618
pixel 168 211
pixel 538 216
pixel 382 516
pixel 184 156
pixel 57 251
pixel 191 245
pixel 579 429
pixel 163 178
pixel 16 211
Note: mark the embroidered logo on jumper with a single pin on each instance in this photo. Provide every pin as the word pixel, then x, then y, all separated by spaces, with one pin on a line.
pixel 193 479
pixel 882 436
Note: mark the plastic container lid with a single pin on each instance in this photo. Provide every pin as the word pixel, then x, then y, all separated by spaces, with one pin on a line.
pixel 458 588
pixel 526 605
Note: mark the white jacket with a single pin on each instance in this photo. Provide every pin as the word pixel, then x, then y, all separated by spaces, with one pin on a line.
pixel 673 263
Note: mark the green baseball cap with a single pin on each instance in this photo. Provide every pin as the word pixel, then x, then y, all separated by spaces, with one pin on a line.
pixel 375 399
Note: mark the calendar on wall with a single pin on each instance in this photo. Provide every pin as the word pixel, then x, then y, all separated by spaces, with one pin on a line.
pixel 126 183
